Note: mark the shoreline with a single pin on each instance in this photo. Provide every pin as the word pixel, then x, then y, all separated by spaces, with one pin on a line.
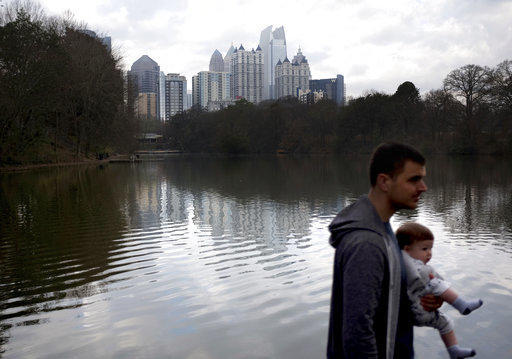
pixel 28 167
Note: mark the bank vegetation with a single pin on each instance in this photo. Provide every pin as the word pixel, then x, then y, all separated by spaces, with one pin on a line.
pixel 62 92
pixel 470 114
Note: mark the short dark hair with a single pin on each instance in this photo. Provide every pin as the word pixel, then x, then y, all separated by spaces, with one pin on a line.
pixel 390 157
pixel 411 232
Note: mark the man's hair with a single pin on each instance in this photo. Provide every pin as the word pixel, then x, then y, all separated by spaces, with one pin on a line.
pixel 390 157
pixel 411 232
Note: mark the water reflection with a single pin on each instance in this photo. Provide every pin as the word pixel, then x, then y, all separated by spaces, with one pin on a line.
pixel 179 256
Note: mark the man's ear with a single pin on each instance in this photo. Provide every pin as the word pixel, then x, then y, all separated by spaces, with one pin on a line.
pixel 383 182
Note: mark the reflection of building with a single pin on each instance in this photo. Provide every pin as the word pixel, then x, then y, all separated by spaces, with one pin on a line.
pixel 145 106
pixel 175 94
pixel 247 74
pixel 211 90
pixel 334 88
pixel 292 76
pixel 216 62
pixel 273 45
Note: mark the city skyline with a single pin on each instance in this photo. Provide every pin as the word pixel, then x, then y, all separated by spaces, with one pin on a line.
pixel 375 45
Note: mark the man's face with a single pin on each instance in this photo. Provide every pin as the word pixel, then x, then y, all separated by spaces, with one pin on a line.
pixel 405 188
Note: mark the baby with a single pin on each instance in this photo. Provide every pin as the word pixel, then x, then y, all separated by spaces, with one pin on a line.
pixel 416 242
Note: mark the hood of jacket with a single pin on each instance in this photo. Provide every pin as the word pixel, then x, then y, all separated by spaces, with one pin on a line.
pixel 360 215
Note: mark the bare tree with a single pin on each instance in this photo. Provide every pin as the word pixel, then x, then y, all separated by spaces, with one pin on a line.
pixel 470 83
pixel 501 86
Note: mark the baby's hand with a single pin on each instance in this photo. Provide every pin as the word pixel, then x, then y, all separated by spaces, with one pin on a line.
pixel 431 276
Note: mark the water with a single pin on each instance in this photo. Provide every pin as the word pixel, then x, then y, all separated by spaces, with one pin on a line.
pixel 226 258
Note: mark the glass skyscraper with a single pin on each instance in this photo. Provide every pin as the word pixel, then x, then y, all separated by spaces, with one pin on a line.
pixel 273 45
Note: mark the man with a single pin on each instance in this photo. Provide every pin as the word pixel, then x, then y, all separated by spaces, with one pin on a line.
pixel 370 312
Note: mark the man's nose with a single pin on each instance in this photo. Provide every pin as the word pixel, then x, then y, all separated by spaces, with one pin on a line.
pixel 422 186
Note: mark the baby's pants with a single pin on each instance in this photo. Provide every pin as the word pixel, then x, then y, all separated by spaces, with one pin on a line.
pixel 435 319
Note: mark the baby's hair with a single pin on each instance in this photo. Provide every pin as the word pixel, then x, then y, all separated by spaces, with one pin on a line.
pixel 411 232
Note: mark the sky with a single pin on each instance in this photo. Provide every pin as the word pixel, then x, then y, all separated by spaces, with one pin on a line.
pixel 375 44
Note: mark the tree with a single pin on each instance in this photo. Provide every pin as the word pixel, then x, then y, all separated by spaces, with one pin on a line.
pixel 442 116
pixel 501 86
pixel 30 59
pixel 407 108
pixel 471 84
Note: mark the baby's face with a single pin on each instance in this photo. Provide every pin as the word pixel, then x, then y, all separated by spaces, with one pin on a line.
pixel 421 250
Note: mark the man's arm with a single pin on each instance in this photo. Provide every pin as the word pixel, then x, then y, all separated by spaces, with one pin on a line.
pixel 363 273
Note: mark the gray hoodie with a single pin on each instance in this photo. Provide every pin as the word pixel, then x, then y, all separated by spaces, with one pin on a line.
pixel 366 285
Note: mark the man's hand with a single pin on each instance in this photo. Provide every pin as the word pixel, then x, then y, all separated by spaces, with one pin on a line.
pixel 430 302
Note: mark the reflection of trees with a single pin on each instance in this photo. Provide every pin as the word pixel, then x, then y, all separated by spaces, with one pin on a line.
pixel 471 193
pixel 57 236
pixel 284 180
pixel 62 230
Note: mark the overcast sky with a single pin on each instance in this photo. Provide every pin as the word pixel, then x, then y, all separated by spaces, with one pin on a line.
pixel 374 44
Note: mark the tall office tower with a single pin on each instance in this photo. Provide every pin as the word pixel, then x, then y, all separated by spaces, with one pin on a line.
pixel 334 88
pixel 292 76
pixel 211 90
pixel 216 62
pixel 161 94
pixel 107 40
pixel 145 105
pixel 146 74
pixel 175 93
pixel 273 44
pixel 247 74
pixel 227 59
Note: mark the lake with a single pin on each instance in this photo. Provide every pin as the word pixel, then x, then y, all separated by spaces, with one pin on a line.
pixel 215 258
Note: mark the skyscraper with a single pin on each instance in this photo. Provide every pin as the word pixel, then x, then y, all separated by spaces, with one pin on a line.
pixel 227 59
pixel 107 40
pixel 211 90
pixel 175 93
pixel 146 74
pixel 216 62
pixel 145 105
pixel 247 74
pixel 161 94
pixel 290 77
pixel 273 45
pixel 334 88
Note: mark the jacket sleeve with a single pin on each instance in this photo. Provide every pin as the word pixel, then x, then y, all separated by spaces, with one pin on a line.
pixel 363 266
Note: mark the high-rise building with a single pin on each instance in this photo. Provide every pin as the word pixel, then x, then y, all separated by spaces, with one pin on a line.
pixel 227 59
pixel 175 94
pixel 310 97
pixel 211 90
pixel 146 75
pixel 216 62
pixel 273 44
pixel 334 88
pixel 107 40
pixel 145 105
pixel 161 94
pixel 188 102
pixel 247 74
pixel 292 76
